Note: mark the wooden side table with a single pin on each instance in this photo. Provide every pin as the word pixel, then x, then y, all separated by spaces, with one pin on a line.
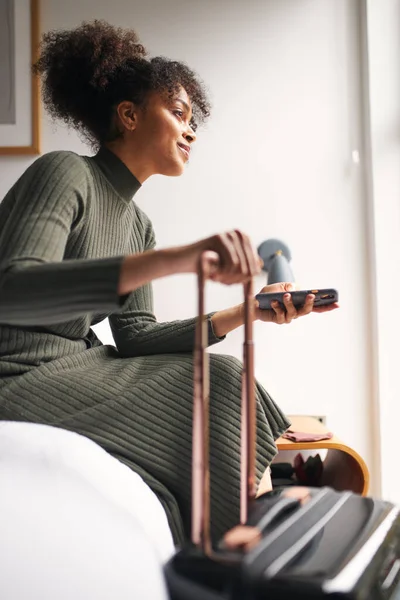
pixel 344 469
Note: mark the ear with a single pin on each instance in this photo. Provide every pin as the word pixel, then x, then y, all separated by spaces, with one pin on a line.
pixel 126 112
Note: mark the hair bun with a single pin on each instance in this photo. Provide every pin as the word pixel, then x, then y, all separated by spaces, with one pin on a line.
pixel 90 54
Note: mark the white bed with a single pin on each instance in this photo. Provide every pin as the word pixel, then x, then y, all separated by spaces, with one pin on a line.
pixel 75 523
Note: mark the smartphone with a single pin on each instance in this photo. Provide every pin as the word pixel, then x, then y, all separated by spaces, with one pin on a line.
pixel 322 298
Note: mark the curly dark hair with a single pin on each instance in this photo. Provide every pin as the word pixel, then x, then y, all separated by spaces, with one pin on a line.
pixel 86 72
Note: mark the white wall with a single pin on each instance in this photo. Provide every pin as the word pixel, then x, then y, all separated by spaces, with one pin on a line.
pixel 383 55
pixel 275 160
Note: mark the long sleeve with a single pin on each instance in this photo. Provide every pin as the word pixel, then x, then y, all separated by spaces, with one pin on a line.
pixel 37 285
pixel 136 331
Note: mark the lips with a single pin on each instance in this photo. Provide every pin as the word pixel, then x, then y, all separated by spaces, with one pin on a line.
pixel 184 149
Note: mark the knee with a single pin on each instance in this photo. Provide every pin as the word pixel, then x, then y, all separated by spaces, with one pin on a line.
pixel 225 373
pixel 225 363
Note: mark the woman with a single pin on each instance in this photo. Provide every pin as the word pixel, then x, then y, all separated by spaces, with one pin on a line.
pixel 76 247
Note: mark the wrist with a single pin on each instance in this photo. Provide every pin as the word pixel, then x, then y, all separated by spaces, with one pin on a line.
pixel 178 259
pixel 240 312
pixel 255 312
pixel 225 321
pixel 139 269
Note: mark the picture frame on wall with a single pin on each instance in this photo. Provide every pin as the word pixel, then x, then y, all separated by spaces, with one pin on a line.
pixel 19 97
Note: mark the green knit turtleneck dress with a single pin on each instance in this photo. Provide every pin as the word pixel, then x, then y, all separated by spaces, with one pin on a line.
pixel 64 229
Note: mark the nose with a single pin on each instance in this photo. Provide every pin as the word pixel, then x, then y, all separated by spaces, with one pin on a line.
pixel 189 135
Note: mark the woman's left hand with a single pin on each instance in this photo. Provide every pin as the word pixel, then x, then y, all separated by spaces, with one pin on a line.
pixel 229 319
pixel 281 315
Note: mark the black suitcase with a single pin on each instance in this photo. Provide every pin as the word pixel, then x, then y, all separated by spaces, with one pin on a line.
pixel 294 543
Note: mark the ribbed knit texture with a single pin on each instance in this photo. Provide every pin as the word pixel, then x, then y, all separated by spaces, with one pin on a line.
pixel 64 228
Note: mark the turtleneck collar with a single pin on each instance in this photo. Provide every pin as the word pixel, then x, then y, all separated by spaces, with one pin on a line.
pixel 117 173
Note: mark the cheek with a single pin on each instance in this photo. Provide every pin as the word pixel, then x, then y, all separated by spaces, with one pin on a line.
pixel 161 136
pixel 168 137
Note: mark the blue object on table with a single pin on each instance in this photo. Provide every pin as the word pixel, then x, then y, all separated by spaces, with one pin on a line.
pixel 276 256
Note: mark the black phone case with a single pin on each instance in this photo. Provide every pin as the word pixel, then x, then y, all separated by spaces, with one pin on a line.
pixel 322 297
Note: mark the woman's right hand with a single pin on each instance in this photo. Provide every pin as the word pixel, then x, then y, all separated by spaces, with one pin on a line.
pixel 231 257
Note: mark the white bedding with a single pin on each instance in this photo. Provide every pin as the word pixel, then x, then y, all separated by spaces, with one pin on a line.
pixel 74 521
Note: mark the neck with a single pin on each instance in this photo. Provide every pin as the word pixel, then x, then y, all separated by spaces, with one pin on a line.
pixel 138 168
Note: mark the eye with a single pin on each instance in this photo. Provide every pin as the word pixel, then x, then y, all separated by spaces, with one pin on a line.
pixel 178 113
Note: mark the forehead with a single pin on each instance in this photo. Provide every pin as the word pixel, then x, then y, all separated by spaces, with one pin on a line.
pixel 183 96
pixel 166 97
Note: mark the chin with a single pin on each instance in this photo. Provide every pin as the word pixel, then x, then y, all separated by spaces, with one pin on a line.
pixel 175 170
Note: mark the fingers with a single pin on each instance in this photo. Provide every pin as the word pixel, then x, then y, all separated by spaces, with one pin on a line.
pixel 291 311
pixel 307 306
pixel 280 316
pixel 242 266
pixel 288 312
pixel 229 259
pixel 254 262
pixel 213 262
pixel 326 308
pixel 272 288
pixel 239 260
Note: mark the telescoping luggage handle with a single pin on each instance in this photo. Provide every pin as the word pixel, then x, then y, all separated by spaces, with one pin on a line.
pixel 200 454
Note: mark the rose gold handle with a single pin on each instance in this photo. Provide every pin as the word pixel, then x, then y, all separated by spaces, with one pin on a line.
pixel 201 400
pixel 248 410
pixel 200 455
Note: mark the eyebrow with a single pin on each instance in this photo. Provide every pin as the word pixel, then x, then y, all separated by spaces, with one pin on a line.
pixel 185 104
